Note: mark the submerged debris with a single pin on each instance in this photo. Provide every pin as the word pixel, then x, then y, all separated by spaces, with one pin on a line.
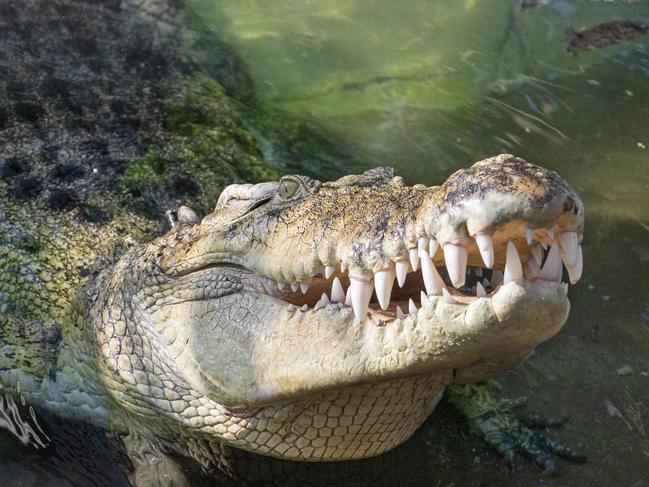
pixel 605 34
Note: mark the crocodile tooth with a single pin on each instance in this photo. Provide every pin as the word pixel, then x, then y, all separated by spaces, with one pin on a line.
pixel 322 302
pixel 294 286
pixel 304 287
pixel 537 252
pixel 383 282
pixel 432 280
pixel 529 235
pixel 401 269
pixel 399 312
pixel 486 246
pixel 413 256
pixel 281 285
pixel 337 292
pixel 565 287
pixel 480 291
pixel 552 268
pixel 291 307
pixel 574 272
pixel 422 244
pixel 348 296
pixel 531 268
pixel 361 294
pixel 456 258
pixel 412 308
pixel 432 248
pixel 496 279
pixel 550 233
pixel 304 308
pixel 423 298
pixel 513 267
pixel 447 298
pixel 329 270
pixel 569 243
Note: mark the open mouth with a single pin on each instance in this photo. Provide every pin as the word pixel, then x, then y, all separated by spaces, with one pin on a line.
pixel 457 273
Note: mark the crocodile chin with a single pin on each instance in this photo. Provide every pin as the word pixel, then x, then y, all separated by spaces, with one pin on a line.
pixel 321 321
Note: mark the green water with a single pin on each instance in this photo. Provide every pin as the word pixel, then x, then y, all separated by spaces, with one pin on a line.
pixel 429 87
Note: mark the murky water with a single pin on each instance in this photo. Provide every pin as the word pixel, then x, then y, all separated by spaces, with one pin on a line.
pixel 429 87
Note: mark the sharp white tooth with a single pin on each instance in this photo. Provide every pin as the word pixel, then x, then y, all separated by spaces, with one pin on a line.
pixel 337 292
pixel 348 296
pixel 456 258
pixel 412 308
pixel 400 314
pixel 569 244
pixel 565 287
pixel 281 285
pixel 304 308
pixel 304 287
pixel 291 307
pixel 496 279
pixel 432 247
pixel 529 235
pixel 480 291
pixel 552 268
pixel 550 233
pixel 531 268
pixel 422 244
pixel 294 286
pixel 574 272
pixel 432 280
pixel 537 252
pixel 329 270
pixel 383 282
pixel 447 298
pixel 361 294
pixel 324 301
pixel 513 267
pixel 486 246
pixel 401 269
pixel 413 256
pixel 423 298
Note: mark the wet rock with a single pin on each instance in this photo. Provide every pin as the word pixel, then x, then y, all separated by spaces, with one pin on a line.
pixel 624 370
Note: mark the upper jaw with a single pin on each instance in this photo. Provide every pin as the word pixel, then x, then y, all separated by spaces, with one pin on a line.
pixel 501 214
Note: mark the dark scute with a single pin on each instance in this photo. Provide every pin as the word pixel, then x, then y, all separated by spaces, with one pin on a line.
pixel 61 199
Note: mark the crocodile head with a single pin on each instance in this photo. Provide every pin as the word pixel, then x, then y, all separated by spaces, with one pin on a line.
pixel 321 321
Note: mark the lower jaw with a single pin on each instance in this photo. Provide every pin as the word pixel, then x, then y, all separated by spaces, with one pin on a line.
pixel 349 423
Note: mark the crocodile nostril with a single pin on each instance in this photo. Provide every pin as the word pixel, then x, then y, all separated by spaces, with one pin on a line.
pixel 569 205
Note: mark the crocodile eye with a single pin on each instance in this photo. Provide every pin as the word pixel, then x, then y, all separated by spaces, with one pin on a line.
pixel 288 188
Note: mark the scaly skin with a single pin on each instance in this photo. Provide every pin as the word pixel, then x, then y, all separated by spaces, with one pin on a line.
pixel 195 342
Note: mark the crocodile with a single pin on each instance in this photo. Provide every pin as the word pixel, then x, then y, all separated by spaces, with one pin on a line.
pixel 236 330
pixel 284 331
